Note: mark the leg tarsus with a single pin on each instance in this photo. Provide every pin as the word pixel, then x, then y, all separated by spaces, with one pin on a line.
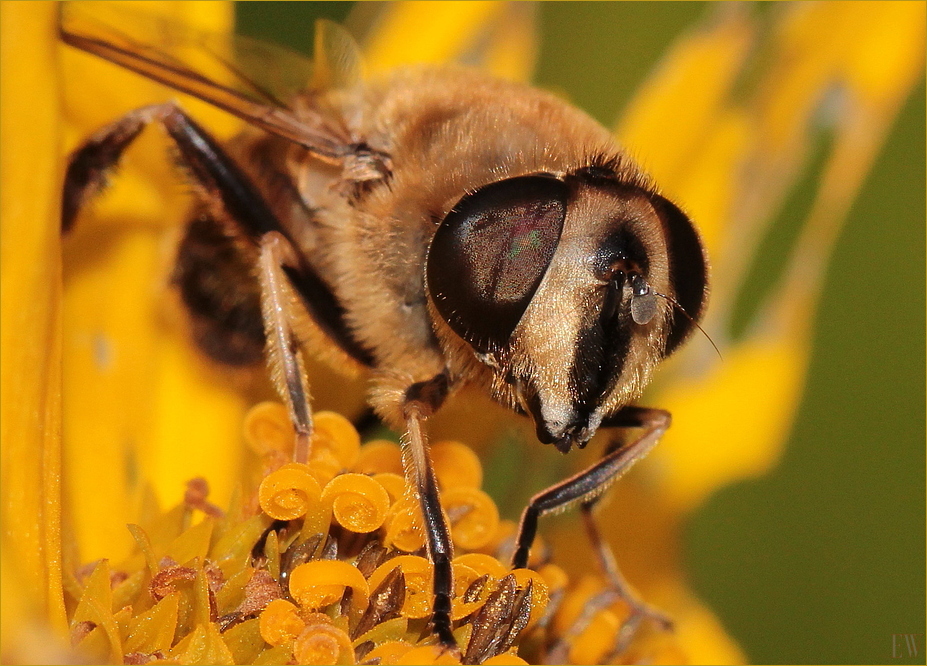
pixel 90 164
pixel 222 183
pixel 639 610
pixel 228 195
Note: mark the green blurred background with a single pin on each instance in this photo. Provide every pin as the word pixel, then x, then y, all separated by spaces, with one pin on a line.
pixel 823 560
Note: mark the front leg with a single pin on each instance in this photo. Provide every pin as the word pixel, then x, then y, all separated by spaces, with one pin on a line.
pixel 586 487
pixel 421 401
pixel 590 483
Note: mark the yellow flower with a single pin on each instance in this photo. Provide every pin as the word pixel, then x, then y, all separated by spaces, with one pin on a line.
pixel 107 411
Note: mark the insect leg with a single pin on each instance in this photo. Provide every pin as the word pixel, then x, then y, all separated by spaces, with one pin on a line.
pixel 586 487
pixel 222 184
pixel 617 582
pixel 231 197
pixel 89 165
pixel 422 399
pixel 287 369
pixel 589 483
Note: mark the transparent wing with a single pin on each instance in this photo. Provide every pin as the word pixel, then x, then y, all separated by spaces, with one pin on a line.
pixel 339 63
pixel 257 82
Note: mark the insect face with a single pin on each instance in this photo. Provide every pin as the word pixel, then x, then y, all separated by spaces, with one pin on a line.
pixel 553 281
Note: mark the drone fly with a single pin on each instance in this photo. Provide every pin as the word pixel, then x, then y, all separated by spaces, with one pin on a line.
pixel 436 227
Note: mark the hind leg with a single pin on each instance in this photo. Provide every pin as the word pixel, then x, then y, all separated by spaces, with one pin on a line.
pixel 232 204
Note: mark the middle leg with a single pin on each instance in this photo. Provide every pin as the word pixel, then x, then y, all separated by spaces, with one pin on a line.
pixel 421 401
pixel 284 356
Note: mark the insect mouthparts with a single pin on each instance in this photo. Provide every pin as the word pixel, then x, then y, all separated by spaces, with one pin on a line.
pixel 578 434
pixel 564 444
pixel 577 431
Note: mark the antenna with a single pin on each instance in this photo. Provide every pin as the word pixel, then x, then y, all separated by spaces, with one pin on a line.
pixel 689 317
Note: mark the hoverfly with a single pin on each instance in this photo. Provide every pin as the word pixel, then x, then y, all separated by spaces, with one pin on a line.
pixel 438 228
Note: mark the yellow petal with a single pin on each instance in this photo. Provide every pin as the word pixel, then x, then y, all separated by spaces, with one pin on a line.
pixel 730 424
pixel 701 635
pixel 30 351
pixel 420 31
pixel 709 187
pixel 733 421
pixel 889 53
pixel 512 49
pixel 666 122
pixel 139 403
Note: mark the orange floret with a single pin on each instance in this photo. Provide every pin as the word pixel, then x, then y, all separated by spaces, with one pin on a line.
pixel 388 653
pixel 465 599
pixel 597 640
pixel 456 465
pixel 380 455
pixel 428 655
pixel 474 516
pixel 268 429
pixel 321 642
pixel 418 573
pixel 555 577
pixel 539 593
pixel 336 435
pixel 575 601
pixel 393 484
pixel 483 564
pixel 505 659
pixel 358 502
pixel 280 622
pixel 289 492
pixel 404 526
pixel 320 583
pixel 333 540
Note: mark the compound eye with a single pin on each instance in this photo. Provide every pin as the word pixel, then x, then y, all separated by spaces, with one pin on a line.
pixel 490 253
pixel 688 271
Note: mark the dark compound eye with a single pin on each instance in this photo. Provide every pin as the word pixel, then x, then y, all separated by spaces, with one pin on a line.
pixel 490 253
pixel 688 270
